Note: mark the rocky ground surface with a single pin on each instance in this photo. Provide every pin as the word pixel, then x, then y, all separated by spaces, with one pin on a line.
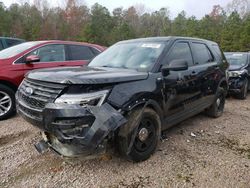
pixel 199 152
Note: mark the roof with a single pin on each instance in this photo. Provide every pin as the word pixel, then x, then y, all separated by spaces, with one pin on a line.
pixel 70 42
pixel 167 38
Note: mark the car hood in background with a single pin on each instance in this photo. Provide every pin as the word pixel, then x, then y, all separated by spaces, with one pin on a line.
pixel 236 67
pixel 86 75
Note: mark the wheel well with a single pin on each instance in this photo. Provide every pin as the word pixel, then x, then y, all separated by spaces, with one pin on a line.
pixel 152 105
pixel 9 84
pixel 224 85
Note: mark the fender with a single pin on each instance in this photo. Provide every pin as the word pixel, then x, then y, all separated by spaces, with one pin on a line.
pixel 151 103
pixel 9 83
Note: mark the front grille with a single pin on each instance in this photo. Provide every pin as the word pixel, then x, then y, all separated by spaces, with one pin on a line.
pixel 40 93
pixel 32 113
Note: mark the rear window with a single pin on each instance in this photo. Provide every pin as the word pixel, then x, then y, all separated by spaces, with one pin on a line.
pixel 14 50
pixel 12 42
pixel 78 52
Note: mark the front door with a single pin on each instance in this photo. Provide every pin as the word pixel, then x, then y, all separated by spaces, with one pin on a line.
pixel 52 55
pixel 179 86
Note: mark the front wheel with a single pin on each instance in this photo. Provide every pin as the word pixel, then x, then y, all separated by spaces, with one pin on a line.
pixel 217 108
pixel 137 141
pixel 7 102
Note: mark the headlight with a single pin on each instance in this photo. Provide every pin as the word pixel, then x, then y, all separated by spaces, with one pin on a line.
pixel 236 73
pixel 93 99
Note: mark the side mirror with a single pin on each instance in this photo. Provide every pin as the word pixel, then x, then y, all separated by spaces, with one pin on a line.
pixel 175 65
pixel 32 59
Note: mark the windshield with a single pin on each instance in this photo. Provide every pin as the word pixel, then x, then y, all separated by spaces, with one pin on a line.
pixel 133 55
pixel 14 50
pixel 237 59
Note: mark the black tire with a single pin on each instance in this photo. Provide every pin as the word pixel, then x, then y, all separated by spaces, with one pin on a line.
pixel 11 106
pixel 217 108
pixel 243 94
pixel 130 139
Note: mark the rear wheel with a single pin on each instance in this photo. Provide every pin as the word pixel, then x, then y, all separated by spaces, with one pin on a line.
pixel 217 108
pixel 138 143
pixel 243 94
pixel 7 102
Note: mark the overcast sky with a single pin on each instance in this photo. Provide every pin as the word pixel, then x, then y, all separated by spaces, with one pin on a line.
pixel 197 8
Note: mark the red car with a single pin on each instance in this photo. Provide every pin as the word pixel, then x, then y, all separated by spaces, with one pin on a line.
pixel 16 61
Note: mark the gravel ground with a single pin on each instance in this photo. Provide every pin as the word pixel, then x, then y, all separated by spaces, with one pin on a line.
pixel 199 152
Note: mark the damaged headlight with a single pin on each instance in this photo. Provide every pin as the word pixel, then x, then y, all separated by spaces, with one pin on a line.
pixel 236 73
pixel 93 99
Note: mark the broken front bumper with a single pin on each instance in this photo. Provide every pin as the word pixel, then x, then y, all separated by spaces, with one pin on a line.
pixel 72 130
pixel 236 84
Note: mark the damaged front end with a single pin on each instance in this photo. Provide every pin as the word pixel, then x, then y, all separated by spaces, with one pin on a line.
pixel 70 128
pixel 73 131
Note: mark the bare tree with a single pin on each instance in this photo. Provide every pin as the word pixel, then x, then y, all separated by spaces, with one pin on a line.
pixel 240 6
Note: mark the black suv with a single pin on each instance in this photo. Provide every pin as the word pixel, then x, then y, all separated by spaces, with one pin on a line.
pixel 239 73
pixel 125 97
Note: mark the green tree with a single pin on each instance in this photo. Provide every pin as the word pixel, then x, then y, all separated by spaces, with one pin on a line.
pixel 100 26
pixel 231 33
pixel 179 25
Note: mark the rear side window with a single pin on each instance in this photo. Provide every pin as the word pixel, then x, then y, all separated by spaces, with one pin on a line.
pixel 1 45
pixel 11 42
pixel 201 53
pixel 78 52
pixel 181 50
pixel 219 52
pixel 95 51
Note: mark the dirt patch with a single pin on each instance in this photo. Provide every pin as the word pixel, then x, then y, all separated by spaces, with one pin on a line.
pixel 11 138
pixel 233 144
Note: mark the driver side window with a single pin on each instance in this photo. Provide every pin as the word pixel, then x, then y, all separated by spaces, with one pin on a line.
pixel 50 53
pixel 181 50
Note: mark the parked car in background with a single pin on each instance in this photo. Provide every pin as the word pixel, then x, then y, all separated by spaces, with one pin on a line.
pixel 125 97
pixel 239 73
pixel 16 61
pixel 6 42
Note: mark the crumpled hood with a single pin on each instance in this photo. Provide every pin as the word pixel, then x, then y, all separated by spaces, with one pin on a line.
pixel 86 75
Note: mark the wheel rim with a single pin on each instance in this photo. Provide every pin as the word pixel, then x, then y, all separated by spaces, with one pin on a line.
pixel 5 103
pixel 145 135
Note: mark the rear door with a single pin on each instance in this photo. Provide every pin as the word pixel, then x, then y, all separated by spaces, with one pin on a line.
pixel 206 71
